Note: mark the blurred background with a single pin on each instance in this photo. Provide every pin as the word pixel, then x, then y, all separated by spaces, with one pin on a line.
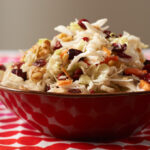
pixel 23 22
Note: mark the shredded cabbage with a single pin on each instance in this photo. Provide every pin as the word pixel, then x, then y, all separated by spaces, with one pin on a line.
pixel 91 59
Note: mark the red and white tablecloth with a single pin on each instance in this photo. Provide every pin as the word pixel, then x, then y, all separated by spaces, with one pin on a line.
pixel 15 134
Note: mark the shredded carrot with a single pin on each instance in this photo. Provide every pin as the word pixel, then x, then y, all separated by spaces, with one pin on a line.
pixel 107 59
pixel 135 71
pixel 144 85
pixel 105 49
pixel 63 53
pixel 65 72
pixel 64 82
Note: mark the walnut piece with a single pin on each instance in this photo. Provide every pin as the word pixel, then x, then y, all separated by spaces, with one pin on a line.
pixel 37 74
pixel 64 37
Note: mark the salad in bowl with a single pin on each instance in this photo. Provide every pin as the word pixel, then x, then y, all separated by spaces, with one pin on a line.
pixel 83 58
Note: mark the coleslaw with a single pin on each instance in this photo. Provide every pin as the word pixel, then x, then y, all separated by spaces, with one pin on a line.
pixel 83 58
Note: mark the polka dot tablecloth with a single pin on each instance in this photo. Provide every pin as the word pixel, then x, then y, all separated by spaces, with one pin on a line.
pixel 15 134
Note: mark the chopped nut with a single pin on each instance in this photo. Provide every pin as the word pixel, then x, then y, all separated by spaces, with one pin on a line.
pixel 43 70
pixel 61 35
pixel 67 39
pixel 138 50
pixel 37 74
pixel 46 44
pixel 23 88
pixel 44 50
pixel 23 57
pixel 64 37
pixel 112 63
pixel 96 27
pixel 65 59
pixel 35 48
pixel 43 53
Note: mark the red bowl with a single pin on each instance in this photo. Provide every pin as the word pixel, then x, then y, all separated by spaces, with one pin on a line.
pixel 81 117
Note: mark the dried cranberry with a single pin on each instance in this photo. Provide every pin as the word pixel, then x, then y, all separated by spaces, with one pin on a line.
pixel 47 88
pixel 146 77
pixel 124 46
pixel 115 45
pixel 82 59
pixel 107 32
pixel 119 50
pixel 92 91
pixel 78 72
pixel 123 55
pixel 73 52
pixel 19 73
pixel 120 35
pixel 18 65
pixel 114 35
pixel 2 67
pixel 110 34
pixel 85 39
pixel 86 61
pixel 57 46
pixel 147 62
pixel 147 67
pixel 74 91
pixel 119 47
pixel 80 22
pixel 61 74
pixel 40 63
